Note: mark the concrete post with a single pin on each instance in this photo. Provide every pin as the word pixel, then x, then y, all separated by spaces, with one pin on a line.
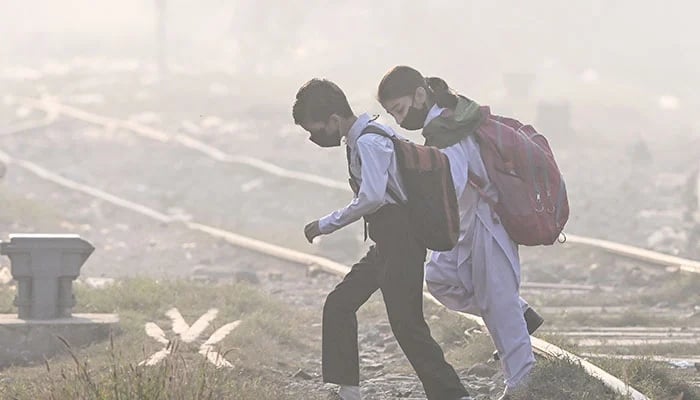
pixel 45 267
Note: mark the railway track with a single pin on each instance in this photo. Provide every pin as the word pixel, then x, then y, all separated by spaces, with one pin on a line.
pixel 543 348
pixel 302 258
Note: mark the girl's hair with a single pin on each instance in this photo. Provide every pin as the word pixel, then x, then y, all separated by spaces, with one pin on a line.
pixel 403 81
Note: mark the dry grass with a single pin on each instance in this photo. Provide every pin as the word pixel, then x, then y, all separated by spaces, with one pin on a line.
pixel 271 334
pixel 564 379
pixel 650 378
pixel 557 379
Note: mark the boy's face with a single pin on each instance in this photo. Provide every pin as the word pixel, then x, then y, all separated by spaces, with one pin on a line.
pixel 323 134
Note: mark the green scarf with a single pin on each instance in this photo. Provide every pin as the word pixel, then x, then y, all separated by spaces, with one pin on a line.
pixel 443 132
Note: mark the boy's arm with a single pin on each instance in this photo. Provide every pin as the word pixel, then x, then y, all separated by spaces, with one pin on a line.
pixel 376 153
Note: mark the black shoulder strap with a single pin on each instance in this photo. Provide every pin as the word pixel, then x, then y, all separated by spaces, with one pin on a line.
pixel 378 131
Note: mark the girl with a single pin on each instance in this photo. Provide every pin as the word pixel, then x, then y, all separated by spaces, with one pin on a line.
pixel 481 275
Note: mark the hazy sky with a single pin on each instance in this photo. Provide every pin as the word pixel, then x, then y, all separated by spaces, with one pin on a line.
pixel 651 46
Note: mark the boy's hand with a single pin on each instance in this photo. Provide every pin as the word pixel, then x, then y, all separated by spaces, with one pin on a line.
pixel 311 230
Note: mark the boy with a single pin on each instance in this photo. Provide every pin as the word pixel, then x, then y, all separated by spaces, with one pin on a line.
pixel 393 264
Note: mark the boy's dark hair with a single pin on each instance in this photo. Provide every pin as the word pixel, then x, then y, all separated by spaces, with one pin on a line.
pixel 317 100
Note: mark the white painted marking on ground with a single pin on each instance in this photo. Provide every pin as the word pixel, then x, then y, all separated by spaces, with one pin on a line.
pixel 188 334
pixel 179 324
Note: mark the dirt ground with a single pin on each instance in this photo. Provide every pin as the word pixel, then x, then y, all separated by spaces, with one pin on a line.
pixel 621 188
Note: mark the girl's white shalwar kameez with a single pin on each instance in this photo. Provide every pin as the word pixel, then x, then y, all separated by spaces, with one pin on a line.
pixel 481 275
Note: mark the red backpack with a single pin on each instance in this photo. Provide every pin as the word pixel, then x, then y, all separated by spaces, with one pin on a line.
pixel 432 201
pixel 532 201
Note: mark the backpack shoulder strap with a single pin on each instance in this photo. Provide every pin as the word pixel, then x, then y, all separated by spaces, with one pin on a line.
pixel 479 184
pixel 378 131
